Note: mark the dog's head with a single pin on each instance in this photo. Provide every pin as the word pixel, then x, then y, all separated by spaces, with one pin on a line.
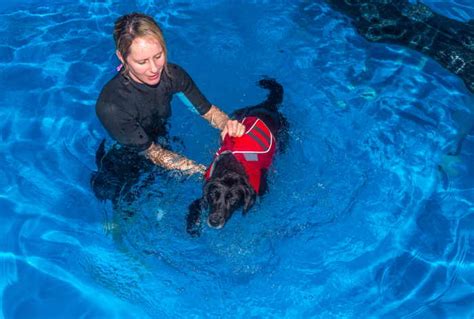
pixel 226 194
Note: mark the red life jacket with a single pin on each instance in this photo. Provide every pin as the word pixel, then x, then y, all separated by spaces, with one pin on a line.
pixel 254 150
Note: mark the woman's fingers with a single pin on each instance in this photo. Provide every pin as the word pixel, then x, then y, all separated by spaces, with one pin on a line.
pixel 234 128
pixel 224 132
pixel 201 169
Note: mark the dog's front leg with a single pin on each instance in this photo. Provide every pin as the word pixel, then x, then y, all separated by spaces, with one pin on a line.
pixel 193 219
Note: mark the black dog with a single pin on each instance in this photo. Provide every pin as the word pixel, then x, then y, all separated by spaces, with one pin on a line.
pixel 238 173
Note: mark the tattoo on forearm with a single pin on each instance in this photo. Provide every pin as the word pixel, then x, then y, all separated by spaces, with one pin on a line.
pixel 216 117
pixel 170 160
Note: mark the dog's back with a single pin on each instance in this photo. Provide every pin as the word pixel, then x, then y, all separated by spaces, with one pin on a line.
pixel 267 110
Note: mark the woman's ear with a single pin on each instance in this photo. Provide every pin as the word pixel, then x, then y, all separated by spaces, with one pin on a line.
pixel 119 56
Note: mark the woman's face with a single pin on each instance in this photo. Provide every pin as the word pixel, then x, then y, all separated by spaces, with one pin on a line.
pixel 146 60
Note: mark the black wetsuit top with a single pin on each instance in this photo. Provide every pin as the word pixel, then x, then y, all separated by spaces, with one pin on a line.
pixel 135 114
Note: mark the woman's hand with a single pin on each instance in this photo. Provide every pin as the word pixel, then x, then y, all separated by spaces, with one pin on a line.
pixel 220 120
pixel 234 128
pixel 199 169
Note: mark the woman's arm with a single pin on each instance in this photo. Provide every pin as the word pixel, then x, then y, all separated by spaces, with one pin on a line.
pixel 216 117
pixel 221 121
pixel 169 160
pixel 182 82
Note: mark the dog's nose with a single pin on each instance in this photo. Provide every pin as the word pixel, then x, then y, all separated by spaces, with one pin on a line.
pixel 216 220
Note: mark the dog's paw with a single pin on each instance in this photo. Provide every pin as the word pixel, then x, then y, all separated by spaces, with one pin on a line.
pixel 193 230
pixel 193 225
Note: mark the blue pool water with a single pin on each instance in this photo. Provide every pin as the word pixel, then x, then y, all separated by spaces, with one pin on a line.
pixel 370 211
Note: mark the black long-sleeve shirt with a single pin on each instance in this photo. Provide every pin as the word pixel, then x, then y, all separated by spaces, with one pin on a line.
pixel 135 114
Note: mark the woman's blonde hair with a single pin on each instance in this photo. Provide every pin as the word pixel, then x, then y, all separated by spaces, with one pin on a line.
pixel 134 25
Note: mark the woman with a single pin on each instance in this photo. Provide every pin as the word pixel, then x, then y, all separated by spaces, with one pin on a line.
pixel 134 107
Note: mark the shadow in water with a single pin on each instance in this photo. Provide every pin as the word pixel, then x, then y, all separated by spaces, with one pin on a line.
pixel 416 26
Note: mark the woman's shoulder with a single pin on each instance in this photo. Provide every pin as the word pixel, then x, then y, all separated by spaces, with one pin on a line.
pixel 113 84
pixel 173 66
pixel 116 89
pixel 109 99
pixel 175 69
pixel 177 76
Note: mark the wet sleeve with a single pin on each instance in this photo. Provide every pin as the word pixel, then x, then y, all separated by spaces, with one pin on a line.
pixel 182 82
pixel 122 126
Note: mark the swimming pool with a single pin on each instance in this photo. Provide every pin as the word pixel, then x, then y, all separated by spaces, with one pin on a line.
pixel 370 210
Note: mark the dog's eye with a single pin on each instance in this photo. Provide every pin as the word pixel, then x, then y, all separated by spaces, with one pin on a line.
pixel 215 195
pixel 231 199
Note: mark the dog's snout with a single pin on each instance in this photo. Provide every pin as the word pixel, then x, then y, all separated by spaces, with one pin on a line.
pixel 216 220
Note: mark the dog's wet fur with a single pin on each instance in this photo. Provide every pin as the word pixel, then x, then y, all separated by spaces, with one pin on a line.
pixel 229 189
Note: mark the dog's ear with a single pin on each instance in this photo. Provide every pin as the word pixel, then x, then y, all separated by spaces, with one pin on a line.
pixel 193 219
pixel 206 190
pixel 249 198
